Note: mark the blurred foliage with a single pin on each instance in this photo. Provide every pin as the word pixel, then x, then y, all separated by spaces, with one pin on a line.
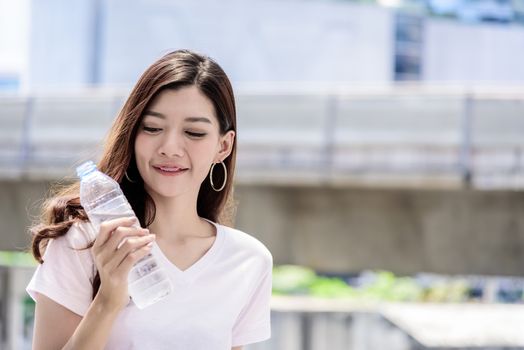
pixel 292 279
pixel 23 259
pixel 453 291
pixel 388 287
pixel 377 286
pixel 334 287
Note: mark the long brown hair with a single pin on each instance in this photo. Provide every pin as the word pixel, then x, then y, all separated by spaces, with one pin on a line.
pixel 174 70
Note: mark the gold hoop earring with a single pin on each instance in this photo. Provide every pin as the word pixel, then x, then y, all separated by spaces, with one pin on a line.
pixel 211 177
pixel 128 178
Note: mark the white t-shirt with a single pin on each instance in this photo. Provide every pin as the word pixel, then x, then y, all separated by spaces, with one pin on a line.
pixel 221 301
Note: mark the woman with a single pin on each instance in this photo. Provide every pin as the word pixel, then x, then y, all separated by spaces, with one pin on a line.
pixel 172 148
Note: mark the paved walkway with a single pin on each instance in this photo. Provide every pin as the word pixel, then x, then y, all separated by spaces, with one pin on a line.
pixel 460 325
pixel 432 325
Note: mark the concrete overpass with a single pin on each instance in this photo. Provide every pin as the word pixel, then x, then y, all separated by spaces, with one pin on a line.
pixel 340 179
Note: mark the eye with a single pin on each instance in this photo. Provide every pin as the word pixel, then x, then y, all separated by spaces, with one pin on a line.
pixel 195 134
pixel 150 130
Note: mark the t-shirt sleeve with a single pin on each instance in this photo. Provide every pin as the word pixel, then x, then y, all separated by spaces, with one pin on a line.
pixel 254 321
pixel 66 273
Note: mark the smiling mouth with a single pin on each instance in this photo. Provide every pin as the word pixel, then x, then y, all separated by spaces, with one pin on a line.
pixel 169 170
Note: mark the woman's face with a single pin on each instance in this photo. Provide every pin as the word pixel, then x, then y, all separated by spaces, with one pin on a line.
pixel 177 142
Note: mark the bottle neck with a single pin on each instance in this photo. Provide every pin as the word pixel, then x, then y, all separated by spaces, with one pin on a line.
pixel 88 174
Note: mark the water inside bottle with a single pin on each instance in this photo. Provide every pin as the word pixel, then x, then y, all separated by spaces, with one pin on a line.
pixel 98 217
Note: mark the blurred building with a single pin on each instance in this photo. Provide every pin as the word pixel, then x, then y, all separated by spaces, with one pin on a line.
pixel 111 42
pixel 14 44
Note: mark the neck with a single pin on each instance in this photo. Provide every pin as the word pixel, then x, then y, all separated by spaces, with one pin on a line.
pixel 177 220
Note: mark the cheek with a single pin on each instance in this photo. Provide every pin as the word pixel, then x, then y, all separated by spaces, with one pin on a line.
pixel 142 144
pixel 205 152
pixel 141 149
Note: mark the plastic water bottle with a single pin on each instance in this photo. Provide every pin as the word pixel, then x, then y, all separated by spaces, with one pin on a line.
pixel 103 199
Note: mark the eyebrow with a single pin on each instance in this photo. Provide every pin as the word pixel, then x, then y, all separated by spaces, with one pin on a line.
pixel 188 119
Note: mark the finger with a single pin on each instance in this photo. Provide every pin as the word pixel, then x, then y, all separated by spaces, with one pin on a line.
pixel 129 247
pixel 118 237
pixel 108 226
pixel 130 259
pixel 121 234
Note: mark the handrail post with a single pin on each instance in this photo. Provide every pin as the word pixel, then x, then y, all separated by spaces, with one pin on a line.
pixel 466 147
pixel 329 138
pixel 25 145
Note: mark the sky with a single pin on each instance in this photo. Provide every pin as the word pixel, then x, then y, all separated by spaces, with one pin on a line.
pixel 14 38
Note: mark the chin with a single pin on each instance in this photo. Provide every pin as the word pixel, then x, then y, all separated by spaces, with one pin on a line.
pixel 167 192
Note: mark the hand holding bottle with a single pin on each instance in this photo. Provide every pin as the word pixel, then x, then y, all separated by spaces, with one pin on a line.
pixel 103 200
pixel 118 246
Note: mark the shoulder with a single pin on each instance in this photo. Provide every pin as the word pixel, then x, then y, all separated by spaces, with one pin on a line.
pixel 79 235
pixel 244 243
pixel 73 243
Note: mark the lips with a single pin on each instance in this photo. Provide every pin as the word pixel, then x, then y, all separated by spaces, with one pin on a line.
pixel 169 169
pixel 173 169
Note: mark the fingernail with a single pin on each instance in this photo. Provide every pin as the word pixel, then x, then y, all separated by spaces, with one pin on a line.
pixel 150 244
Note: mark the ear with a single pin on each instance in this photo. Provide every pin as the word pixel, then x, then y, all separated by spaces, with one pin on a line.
pixel 226 143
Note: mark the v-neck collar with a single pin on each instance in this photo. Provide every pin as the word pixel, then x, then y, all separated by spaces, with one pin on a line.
pixel 188 275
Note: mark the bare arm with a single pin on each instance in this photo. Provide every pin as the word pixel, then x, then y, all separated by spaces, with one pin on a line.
pixel 89 332
pixel 47 314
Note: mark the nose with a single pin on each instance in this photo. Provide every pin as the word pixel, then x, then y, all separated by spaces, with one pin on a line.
pixel 171 146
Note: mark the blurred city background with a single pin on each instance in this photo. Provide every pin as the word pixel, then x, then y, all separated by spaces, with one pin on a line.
pixel 381 152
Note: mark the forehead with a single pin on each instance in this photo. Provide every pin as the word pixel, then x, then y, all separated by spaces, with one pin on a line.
pixel 180 104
